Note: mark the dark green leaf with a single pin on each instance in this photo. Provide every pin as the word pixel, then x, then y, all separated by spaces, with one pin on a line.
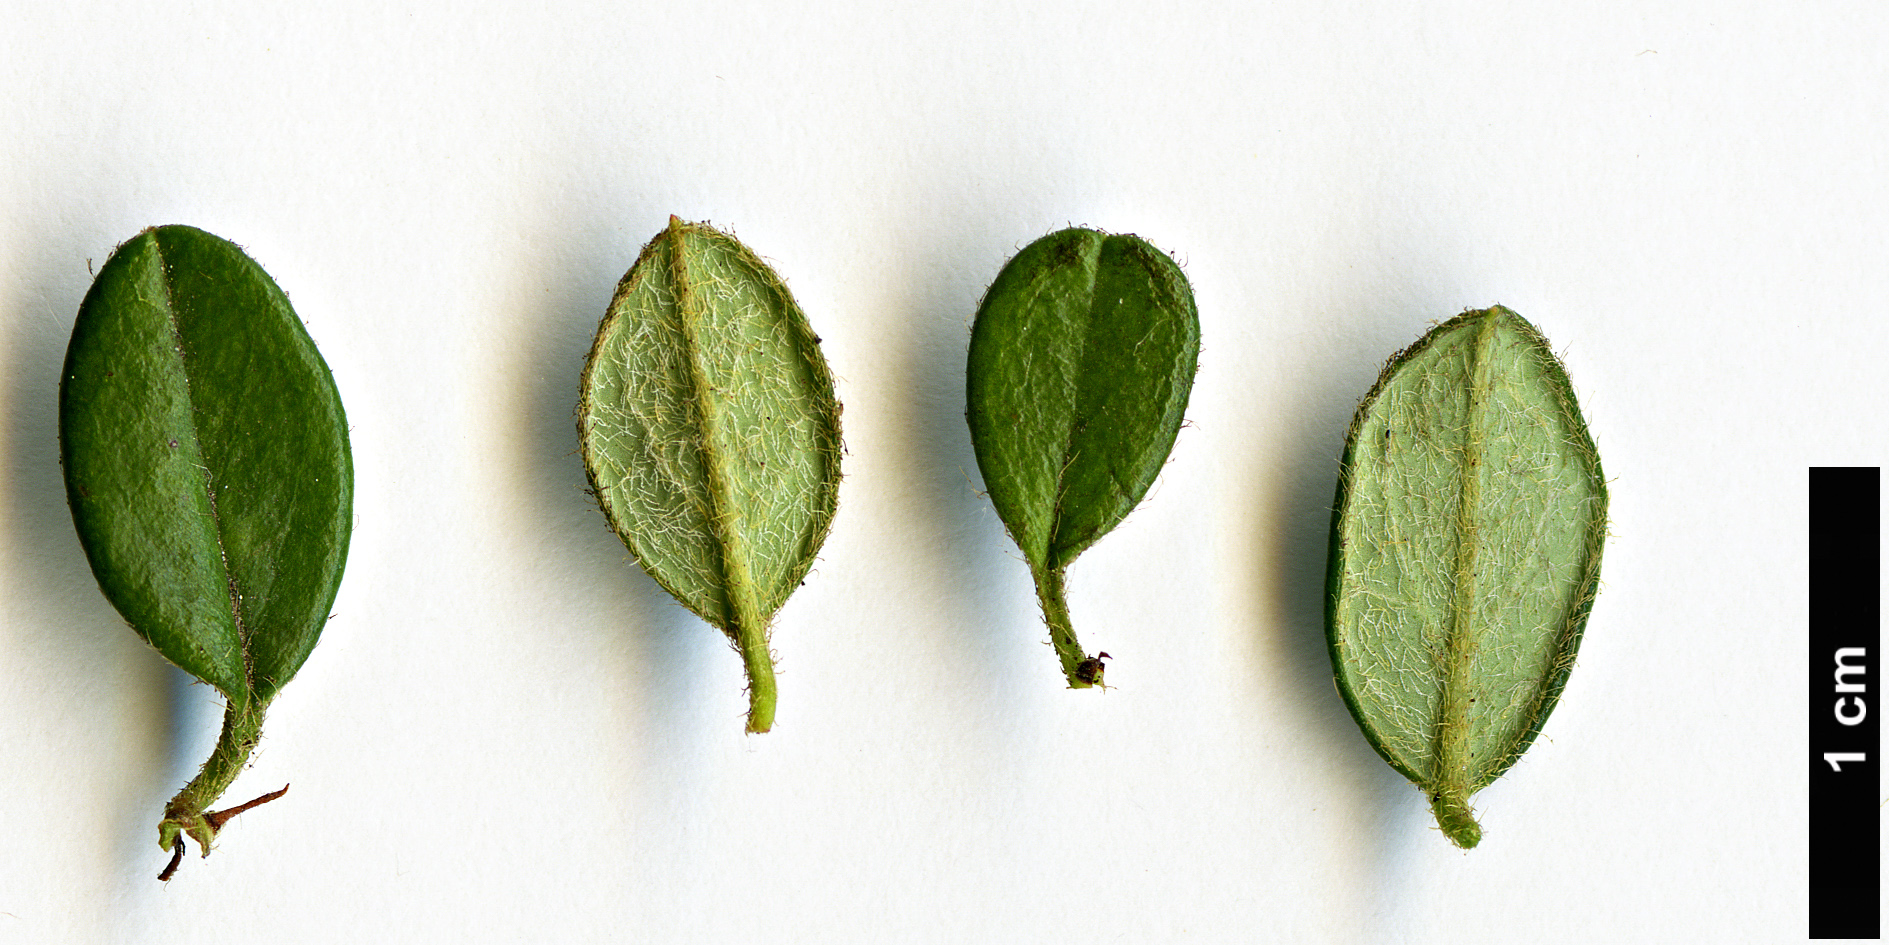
pixel 1465 554
pixel 206 463
pixel 1081 361
pixel 711 435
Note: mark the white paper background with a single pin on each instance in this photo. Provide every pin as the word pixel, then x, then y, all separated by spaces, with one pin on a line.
pixel 510 734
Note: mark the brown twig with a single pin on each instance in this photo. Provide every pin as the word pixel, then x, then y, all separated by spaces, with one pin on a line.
pixel 177 857
pixel 217 819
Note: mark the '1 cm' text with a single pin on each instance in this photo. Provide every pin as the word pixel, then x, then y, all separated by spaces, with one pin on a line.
pixel 1850 710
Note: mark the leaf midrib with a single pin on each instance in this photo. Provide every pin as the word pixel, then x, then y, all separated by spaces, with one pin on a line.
pixel 196 440
pixel 739 601
pixel 1053 554
pixel 1453 756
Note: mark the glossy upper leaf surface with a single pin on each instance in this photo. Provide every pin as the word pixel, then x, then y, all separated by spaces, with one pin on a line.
pixel 709 426
pixel 1471 503
pixel 206 459
pixel 1081 361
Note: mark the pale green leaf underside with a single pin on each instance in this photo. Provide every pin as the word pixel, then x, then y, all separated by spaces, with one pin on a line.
pixel 709 425
pixel 1478 412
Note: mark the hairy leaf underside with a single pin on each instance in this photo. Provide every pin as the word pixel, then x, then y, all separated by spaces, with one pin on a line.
pixel 709 425
pixel 1466 550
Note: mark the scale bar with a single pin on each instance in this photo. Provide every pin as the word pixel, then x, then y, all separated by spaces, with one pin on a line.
pixel 1845 701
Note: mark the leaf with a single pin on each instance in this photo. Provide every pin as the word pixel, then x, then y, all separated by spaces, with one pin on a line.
pixel 1465 554
pixel 711 436
pixel 207 467
pixel 1081 360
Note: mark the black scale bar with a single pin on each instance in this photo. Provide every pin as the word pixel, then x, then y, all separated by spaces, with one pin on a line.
pixel 1846 702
